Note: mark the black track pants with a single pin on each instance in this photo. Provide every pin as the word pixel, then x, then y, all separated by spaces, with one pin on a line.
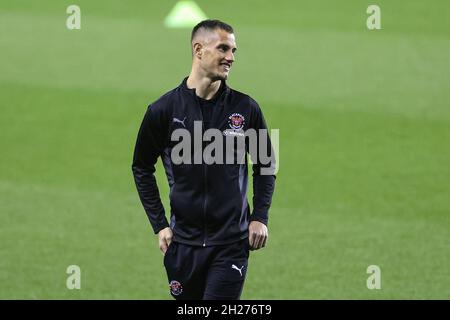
pixel 216 272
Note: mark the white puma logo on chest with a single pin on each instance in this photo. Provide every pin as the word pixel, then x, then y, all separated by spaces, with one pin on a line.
pixel 176 120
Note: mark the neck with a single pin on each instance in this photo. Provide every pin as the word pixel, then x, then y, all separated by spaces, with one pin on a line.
pixel 205 87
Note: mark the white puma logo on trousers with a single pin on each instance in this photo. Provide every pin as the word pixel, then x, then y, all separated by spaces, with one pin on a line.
pixel 179 121
pixel 240 270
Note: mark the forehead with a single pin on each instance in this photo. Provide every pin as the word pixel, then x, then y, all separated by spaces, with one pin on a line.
pixel 221 36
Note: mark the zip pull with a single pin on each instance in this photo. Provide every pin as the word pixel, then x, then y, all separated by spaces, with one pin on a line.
pixel 204 245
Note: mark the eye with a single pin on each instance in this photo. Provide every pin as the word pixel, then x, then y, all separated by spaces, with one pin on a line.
pixel 223 48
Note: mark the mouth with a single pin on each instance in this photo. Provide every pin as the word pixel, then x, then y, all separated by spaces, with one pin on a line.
pixel 226 66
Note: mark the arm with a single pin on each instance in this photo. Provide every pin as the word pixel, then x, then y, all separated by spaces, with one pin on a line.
pixel 263 183
pixel 149 145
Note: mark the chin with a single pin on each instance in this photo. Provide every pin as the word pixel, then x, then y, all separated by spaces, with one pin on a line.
pixel 219 76
pixel 222 76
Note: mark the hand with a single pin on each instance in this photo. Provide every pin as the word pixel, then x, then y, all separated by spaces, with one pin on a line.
pixel 165 238
pixel 258 235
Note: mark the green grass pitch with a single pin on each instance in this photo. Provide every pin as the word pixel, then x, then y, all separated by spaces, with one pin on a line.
pixel 364 119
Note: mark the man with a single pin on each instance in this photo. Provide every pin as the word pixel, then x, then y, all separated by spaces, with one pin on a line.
pixel 206 246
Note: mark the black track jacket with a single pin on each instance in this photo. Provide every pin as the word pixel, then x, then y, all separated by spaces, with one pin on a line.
pixel 208 201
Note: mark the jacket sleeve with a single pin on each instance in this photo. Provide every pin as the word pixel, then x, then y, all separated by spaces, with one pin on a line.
pixel 263 169
pixel 149 145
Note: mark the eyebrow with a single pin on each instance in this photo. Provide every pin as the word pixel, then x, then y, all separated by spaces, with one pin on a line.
pixel 225 46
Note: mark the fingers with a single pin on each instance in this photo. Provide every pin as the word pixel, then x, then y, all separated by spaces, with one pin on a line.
pixel 165 239
pixel 163 246
pixel 251 239
pixel 258 239
pixel 256 243
pixel 264 241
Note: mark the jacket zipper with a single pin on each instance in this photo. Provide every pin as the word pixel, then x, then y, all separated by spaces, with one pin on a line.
pixel 205 189
pixel 204 202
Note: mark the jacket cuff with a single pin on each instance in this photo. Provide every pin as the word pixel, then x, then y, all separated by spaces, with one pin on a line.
pixel 255 217
pixel 157 228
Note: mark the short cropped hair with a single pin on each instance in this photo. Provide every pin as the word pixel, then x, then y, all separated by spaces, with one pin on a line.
pixel 211 25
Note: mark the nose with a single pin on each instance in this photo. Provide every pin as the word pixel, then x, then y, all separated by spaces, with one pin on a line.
pixel 230 57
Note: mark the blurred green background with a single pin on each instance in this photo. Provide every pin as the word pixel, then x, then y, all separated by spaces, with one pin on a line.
pixel 364 119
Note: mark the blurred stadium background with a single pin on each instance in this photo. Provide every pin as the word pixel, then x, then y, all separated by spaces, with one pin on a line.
pixel 364 119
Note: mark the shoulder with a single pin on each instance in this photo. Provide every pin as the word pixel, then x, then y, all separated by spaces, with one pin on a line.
pixel 163 103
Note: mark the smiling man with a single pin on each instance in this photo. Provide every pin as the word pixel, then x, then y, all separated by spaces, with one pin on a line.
pixel 206 245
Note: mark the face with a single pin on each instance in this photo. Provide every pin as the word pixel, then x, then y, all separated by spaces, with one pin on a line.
pixel 217 54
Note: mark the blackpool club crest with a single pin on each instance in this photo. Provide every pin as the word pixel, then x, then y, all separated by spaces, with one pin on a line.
pixel 175 287
pixel 236 121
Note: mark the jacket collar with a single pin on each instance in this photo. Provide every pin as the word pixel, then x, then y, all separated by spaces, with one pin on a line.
pixel 223 87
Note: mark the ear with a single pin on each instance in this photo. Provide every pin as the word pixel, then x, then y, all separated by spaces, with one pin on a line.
pixel 197 49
